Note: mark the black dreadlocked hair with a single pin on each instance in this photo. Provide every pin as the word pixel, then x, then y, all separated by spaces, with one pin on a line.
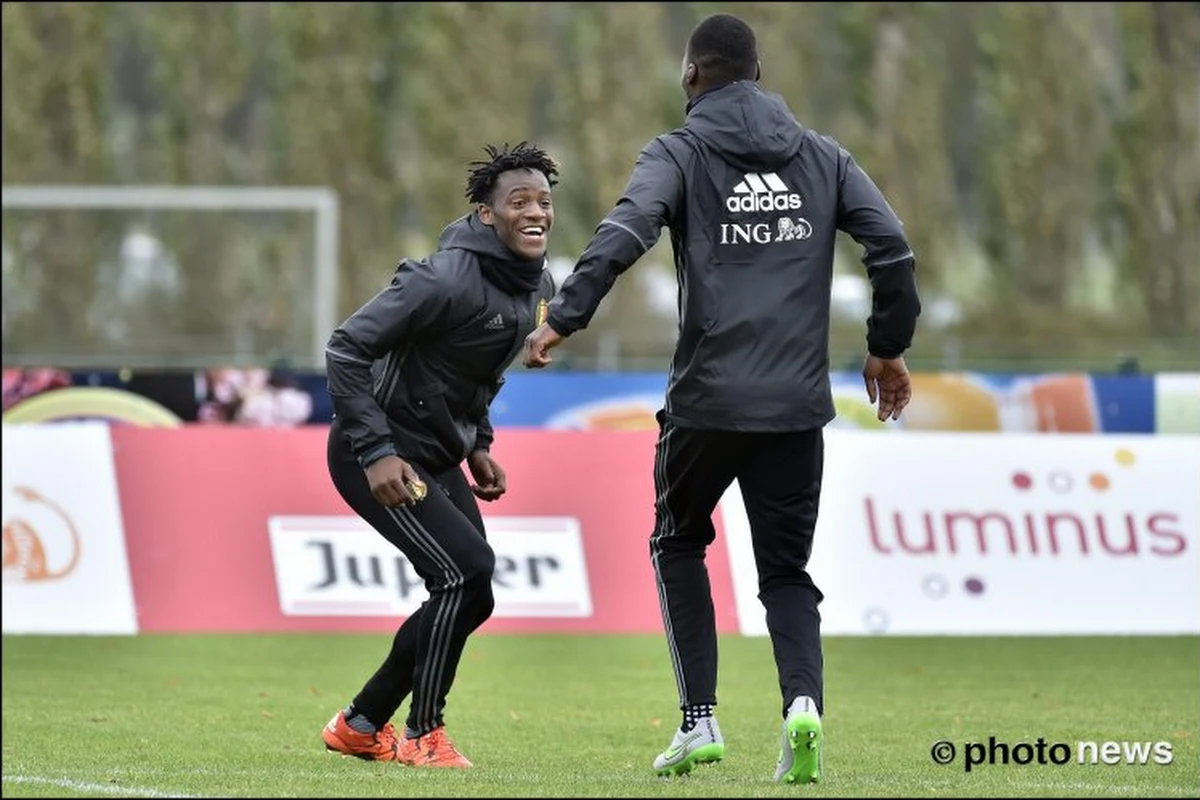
pixel 481 180
pixel 724 47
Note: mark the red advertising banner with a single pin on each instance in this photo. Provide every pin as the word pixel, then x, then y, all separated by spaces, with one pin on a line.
pixel 235 529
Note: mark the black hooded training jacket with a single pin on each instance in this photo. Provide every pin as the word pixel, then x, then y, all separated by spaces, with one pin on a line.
pixel 753 202
pixel 413 371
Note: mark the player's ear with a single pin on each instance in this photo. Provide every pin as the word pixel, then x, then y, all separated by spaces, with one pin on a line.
pixel 690 73
pixel 486 215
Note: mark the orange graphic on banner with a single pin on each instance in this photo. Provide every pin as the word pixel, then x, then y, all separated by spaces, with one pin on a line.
pixel 30 556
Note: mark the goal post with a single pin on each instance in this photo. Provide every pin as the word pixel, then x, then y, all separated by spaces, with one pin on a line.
pixel 321 201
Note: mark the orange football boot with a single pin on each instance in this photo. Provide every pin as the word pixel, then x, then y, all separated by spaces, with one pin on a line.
pixel 434 749
pixel 341 738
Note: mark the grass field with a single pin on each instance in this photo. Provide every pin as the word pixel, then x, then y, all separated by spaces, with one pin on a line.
pixel 560 716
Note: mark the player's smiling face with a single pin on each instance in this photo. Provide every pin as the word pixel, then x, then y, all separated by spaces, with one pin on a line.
pixel 521 211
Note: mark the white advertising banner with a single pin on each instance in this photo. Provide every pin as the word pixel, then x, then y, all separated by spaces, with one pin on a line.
pixel 339 566
pixel 65 569
pixel 984 533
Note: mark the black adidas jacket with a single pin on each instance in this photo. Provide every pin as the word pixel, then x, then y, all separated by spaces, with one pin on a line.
pixel 413 371
pixel 753 202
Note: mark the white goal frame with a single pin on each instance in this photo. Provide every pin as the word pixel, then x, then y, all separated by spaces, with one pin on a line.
pixel 321 201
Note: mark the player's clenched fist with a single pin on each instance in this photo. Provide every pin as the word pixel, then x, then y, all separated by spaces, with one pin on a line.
pixel 394 482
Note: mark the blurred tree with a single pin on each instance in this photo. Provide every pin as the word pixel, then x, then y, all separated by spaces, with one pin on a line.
pixel 1043 156
pixel 615 74
pixel 1155 168
pixel 1039 145
pixel 55 113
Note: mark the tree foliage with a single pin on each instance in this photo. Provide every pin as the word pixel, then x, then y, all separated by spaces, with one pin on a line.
pixel 1045 157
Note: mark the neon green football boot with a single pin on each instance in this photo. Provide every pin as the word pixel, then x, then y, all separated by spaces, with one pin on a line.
pixel 800 750
pixel 701 745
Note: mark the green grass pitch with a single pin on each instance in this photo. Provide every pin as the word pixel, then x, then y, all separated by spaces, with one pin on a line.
pixel 566 716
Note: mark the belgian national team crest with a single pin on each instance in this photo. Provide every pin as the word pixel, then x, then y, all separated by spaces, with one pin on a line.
pixel 543 310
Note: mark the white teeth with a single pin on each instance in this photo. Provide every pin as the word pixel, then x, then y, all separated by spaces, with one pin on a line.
pixel 532 231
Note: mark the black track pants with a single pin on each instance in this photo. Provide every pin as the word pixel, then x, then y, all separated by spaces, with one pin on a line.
pixel 443 538
pixel 780 479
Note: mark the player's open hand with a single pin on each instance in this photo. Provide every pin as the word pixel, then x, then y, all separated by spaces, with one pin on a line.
pixel 539 344
pixel 889 383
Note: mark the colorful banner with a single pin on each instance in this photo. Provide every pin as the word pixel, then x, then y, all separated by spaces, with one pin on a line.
pixel 982 534
pixel 255 397
pixel 65 567
pixel 942 401
pixel 1052 403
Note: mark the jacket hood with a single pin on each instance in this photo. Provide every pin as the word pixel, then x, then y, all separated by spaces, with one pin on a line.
pixel 469 233
pixel 750 128
pixel 501 266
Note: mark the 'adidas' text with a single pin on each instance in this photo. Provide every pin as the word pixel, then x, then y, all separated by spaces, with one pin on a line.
pixel 765 192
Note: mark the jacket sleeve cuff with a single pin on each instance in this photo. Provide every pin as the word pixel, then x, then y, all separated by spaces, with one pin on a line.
pixel 373 454
pixel 483 441
pixel 883 351
pixel 558 326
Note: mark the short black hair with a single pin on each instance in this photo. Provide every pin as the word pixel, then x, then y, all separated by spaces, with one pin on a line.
pixel 724 48
pixel 482 177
